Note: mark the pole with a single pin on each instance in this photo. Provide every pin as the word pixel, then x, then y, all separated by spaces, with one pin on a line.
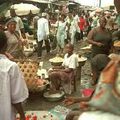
pixel 99 3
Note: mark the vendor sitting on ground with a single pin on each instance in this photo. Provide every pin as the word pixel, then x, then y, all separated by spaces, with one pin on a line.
pixel 99 62
pixel 109 74
pixel 109 77
pixel 62 76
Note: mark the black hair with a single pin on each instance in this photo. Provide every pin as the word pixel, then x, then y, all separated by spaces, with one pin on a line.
pixel 12 10
pixel 3 41
pixel 70 45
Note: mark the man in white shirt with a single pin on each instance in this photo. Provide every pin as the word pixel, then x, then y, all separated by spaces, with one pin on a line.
pixel 42 34
pixel 13 90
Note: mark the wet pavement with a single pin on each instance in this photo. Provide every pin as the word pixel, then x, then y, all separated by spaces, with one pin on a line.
pixel 36 101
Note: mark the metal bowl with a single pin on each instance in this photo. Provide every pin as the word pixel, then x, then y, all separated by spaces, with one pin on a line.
pixel 53 97
pixel 82 61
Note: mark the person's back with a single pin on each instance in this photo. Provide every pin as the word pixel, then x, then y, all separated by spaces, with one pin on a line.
pixel 41 23
pixel 13 90
pixel 42 30
pixel 10 83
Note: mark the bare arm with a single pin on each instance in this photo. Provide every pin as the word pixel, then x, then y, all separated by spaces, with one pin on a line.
pixel 90 38
pixel 72 100
pixel 23 33
pixel 19 108
pixel 81 99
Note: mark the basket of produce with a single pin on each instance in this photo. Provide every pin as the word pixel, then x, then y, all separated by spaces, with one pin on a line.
pixel 56 61
pixel 29 69
pixel 82 60
pixel 87 48
pixel 41 84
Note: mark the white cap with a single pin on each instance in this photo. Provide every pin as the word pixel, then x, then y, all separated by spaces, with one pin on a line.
pixel 44 14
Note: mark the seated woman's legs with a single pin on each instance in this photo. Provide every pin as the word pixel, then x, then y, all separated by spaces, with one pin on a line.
pixel 59 79
pixel 55 81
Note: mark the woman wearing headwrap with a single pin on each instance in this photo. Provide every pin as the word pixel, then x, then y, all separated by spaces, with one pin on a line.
pixel 14 42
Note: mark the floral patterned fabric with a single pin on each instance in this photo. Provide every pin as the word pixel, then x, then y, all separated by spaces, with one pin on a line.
pixel 107 97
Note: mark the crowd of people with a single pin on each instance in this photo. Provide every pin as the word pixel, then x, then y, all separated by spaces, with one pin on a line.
pixel 58 28
pixel 69 27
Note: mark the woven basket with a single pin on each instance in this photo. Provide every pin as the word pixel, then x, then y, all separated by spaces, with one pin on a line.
pixel 29 69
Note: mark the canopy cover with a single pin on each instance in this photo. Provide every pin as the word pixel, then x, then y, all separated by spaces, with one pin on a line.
pixel 23 9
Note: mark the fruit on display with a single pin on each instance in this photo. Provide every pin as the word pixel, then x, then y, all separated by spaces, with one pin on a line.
pixel 56 59
pixel 29 69
pixel 39 115
pixel 41 82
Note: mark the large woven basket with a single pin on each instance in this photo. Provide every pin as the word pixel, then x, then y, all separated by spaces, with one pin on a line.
pixel 29 69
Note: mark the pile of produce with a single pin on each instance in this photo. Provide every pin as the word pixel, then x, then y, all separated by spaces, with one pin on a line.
pixel 29 69
pixel 39 115
pixel 56 61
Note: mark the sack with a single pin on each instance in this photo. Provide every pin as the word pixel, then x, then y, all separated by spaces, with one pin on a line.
pixel 107 93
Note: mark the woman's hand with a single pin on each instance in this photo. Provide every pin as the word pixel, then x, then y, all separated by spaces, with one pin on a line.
pixel 84 105
pixel 99 44
pixel 69 101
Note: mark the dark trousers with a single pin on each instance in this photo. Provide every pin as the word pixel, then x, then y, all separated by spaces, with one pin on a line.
pixel 81 35
pixel 47 46
pixel 77 36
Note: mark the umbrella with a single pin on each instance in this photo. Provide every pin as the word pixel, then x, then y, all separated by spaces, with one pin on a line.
pixel 23 9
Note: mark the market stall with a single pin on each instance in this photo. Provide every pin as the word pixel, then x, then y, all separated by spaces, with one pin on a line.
pixel 31 72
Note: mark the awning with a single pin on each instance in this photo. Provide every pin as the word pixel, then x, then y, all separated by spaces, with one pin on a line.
pixel 23 9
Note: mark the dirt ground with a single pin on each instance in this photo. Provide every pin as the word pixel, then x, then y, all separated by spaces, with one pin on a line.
pixel 36 101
